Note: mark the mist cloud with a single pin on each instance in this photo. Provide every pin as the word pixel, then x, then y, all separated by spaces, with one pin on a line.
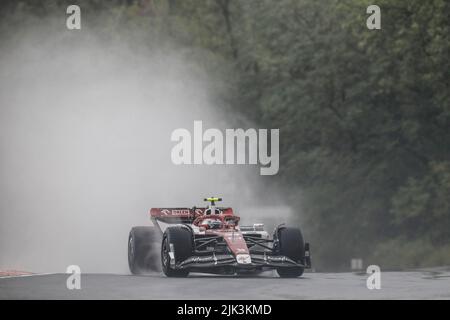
pixel 85 124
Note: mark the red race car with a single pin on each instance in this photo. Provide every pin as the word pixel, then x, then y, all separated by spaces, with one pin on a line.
pixel 210 240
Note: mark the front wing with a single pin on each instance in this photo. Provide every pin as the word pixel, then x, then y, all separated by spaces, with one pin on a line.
pixel 257 261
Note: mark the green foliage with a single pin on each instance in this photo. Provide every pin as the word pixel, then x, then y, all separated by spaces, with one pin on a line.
pixel 364 115
pixel 401 252
pixel 422 205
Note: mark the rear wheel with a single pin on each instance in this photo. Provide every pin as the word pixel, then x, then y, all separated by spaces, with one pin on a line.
pixel 143 250
pixel 177 241
pixel 292 246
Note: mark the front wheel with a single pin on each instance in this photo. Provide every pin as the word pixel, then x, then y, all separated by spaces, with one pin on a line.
pixel 176 247
pixel 292 246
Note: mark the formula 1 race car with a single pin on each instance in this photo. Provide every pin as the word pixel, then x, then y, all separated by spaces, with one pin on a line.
pixel 209 240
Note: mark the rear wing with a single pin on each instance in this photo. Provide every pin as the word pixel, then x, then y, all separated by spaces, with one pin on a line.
pixel 181 215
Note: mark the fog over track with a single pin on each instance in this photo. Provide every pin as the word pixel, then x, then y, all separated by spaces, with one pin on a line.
pixel 85 149
pixel 431 284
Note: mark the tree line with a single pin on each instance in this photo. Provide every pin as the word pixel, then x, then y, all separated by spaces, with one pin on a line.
pixel 364 115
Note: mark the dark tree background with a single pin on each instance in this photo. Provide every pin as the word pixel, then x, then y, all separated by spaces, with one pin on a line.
pixel 364 115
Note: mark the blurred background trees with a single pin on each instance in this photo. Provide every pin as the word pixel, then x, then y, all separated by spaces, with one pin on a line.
pixel 364 115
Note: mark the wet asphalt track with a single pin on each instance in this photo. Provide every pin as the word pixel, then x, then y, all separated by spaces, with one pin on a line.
pixel 394 285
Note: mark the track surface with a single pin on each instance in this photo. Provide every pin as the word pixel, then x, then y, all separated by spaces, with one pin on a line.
pixel 394 285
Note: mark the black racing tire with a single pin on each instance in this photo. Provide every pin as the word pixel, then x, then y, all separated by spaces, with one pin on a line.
pixel 143 243
pixel 181 240
pixel 291 245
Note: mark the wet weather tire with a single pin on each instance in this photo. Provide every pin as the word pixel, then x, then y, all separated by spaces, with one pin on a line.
pixel 177 240
pixel 143 254
pixel 292 246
